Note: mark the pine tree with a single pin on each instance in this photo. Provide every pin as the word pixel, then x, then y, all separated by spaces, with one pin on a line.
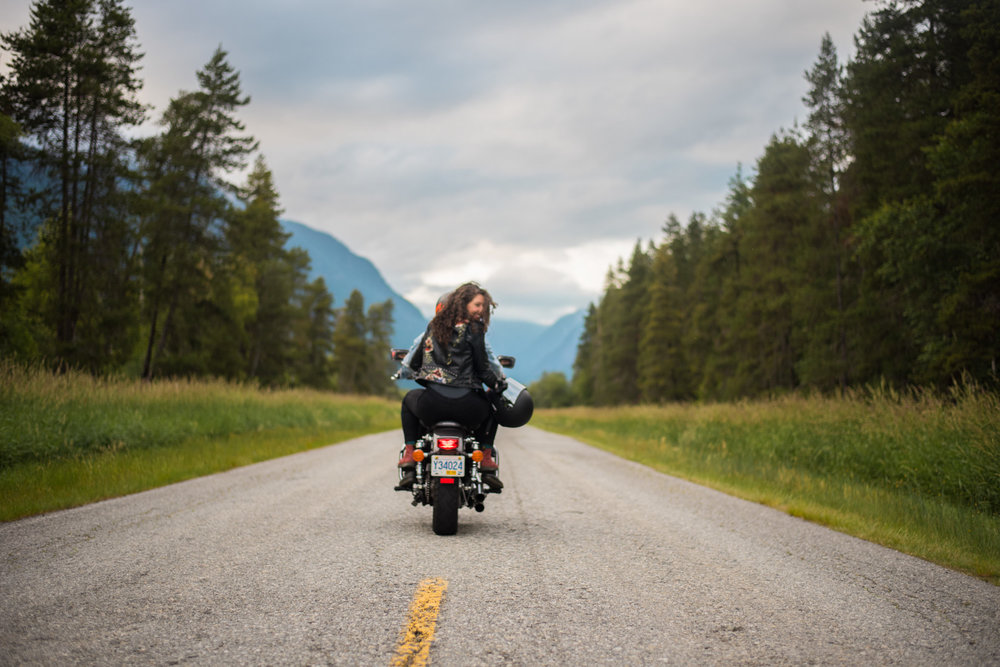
pixel 899 94
pixel 10 190
pixel 692 247
pixel 827 136
pixel 72 89
pixel 360 347
pixel 607 380
pixel 926 284
pixel 661 362
pixel 822 302
pixel 585 362
pixel 256 240
pixel 313 362
pixel 619 327
pixel 965 299
pixel 714 332
pixel 185 170
pixel 350 350
pixel 769 271
pixel 933 254
pixel 379 334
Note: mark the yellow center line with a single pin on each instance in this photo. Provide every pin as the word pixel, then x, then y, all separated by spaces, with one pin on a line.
pixel 415 644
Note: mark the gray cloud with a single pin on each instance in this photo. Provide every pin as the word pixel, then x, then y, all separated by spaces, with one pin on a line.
pixel 553 134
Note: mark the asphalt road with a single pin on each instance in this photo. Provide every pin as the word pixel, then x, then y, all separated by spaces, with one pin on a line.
pixel 584 559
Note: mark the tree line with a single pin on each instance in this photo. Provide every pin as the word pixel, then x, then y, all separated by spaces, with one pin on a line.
pixel 137 255
pixel 865 248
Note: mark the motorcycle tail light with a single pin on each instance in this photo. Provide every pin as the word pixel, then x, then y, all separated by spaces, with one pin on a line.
pixel 447 443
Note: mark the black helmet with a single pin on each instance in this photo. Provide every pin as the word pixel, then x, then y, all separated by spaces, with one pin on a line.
pixel 517 413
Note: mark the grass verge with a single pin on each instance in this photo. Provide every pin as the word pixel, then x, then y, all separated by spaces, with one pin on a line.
pixel 915 473
pixel 37 487
pixel 70 439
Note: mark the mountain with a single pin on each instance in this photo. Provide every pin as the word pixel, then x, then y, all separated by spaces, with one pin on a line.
pixel 513 337
pixel 551 349
pixel 537 348
pixel 343 271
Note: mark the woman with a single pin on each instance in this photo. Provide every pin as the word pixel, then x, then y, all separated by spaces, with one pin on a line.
pixel 452 364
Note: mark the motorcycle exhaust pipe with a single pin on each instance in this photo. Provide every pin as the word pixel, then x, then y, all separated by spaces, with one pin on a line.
pixel 480 507
pixel 480 497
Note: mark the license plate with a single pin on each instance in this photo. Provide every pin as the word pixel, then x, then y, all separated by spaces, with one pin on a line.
pixel 447 466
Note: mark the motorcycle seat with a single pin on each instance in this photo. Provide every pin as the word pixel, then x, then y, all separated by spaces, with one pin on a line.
pixel 451 429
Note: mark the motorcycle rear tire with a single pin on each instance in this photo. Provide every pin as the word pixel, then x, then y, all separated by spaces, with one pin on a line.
pixel 446 501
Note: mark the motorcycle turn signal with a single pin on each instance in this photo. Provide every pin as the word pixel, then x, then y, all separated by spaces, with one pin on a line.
pixel 418 455
pixel 477 456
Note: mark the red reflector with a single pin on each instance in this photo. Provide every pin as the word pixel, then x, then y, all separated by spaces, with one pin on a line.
pixel 447 443
pixel 447 480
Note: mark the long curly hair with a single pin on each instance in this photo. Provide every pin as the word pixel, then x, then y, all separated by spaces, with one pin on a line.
pixel 454 311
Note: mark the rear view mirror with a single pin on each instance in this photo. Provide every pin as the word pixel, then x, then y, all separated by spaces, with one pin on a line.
pixel 506 362
pixel 398 354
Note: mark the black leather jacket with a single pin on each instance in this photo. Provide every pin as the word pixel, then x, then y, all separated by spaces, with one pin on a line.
pixel 463 364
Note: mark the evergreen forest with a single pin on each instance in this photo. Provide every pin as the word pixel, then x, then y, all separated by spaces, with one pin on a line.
pixel 864 249
pixel 138 256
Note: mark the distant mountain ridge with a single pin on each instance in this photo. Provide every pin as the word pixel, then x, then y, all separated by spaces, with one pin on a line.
pixel 537 348
pixel 343 271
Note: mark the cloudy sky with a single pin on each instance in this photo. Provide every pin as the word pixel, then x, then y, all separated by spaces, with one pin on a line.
pixel 525 144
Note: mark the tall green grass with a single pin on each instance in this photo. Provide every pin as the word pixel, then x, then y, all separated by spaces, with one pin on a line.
pixel 70 439
pixel 916 471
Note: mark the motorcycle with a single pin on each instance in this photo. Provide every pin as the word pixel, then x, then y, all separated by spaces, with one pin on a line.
pixel 448 475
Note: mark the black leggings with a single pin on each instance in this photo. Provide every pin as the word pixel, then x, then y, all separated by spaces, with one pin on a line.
pixel 427 406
